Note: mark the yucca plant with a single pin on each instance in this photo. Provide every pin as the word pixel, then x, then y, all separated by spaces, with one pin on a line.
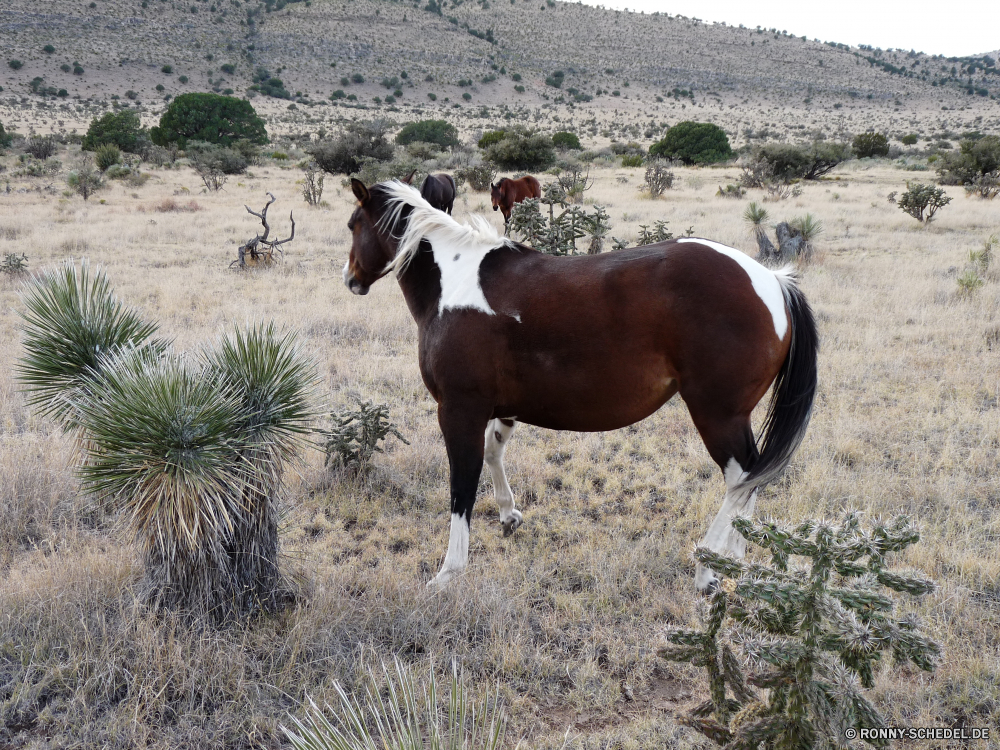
pixel 162 451
pixel 398 713
pixel 808 226
pixel 756 216
pixel 72 322
pixel 813 635
pixel 190 455
pixel 273 386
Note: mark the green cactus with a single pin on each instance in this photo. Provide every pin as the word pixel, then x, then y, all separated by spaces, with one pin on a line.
pixel 812 634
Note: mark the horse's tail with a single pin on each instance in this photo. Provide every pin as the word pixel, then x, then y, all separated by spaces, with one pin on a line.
pixel 793 392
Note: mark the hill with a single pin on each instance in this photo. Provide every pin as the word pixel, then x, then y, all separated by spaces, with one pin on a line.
pixel 624 74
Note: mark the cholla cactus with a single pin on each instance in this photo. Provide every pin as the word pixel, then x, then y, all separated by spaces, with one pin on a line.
pixel 812 634
pixel 558 233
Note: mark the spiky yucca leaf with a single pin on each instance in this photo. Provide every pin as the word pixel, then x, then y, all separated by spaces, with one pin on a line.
pixel 273 382
pixel 71 323
pixel 397 713
pixel 161 447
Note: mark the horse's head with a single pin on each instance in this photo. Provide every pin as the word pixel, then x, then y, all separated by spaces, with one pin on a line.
pixel 372 248
pixel 497 194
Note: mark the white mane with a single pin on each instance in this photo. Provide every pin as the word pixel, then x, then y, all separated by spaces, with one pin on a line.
pixel 426 222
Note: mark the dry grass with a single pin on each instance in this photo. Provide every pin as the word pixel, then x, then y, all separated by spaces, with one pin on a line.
pixel 572 607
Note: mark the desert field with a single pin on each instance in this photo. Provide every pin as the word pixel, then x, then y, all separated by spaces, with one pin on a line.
pixel 563 618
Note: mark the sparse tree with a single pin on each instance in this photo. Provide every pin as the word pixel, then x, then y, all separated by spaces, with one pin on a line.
pixel 312 187
pixel 919 199
pixel 85 179
pixel 867 145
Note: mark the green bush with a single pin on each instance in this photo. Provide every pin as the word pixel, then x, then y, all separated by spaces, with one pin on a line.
pixel 522 149
pixel 867 145
pixel 909 139
pixel 789 162
pixel 122 129
pixel 973 159
pixel 15 64
pixel 228 68
pixel 48 49
pixel 694 143
pixel 106 156
pixel 208 117
pixel 269 85
pixel 218 158
pixel 439 132
pixel 346 153
pixel 565 139
pixel 490 137
pixel 920 198
pixel 632 160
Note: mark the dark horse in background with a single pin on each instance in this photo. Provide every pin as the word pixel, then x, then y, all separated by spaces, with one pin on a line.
pixel 590 343
pixel 507 192
pixel 437 189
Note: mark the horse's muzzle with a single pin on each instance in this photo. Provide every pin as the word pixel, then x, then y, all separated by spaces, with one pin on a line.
pixel 352 283
pixel 496 208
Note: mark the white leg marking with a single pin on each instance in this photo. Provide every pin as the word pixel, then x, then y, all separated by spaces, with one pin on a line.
pixel 457 558
pixel 721 536
pixel 497 435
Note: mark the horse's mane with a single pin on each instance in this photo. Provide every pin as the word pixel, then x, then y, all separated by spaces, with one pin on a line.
pixel 426 222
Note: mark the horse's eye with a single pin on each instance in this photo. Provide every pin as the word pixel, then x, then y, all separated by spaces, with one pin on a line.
pixel 350 225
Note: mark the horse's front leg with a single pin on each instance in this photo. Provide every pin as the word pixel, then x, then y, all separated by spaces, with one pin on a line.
pixel 463 426
pixel 498 432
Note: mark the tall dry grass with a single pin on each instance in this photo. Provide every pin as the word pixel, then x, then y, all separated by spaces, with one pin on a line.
pixel 566 614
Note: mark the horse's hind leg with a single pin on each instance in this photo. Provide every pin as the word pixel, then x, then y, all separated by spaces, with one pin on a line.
pixel 498 432
pixel 730 443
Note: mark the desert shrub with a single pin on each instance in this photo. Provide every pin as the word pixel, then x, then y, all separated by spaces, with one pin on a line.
pixel 522 149
pixel 338 94
pixel 5 138
pixel 40 147
pixel 312 184
pixel 973 158
pixel 439 132
pixel 658 177
pixel 556 79
pixel 355 434
pixel 85 180
pixel 228 68
pixel 789 161
pixel 228 161
pixel 14 264
pixel 490 137
pixel 15 64
pixel 345 153
pixel 208 117
pixel 107 156
pixel 812 636
pixel 693 143
pixel 123 129
pixel 867 145
pixel 558 233
pixel 920 198
pixel 269 85
pixel 755 172
pixel 986 186
pixel 909 139
pixel 632 160
pixel 405 713
pixel 565 139
pixel 479 176
pixel 357 78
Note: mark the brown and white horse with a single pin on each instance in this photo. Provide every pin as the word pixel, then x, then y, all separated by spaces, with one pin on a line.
pixel 508 334
pixel 507 192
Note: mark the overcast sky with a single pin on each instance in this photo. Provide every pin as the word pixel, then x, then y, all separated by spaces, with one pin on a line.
pixel 967 27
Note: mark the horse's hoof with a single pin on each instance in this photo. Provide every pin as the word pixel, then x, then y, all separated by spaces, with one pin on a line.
pixel 511 525
pixel 706 581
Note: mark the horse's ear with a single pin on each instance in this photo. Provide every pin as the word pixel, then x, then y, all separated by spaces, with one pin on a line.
pixel 360 191
pixel 409 178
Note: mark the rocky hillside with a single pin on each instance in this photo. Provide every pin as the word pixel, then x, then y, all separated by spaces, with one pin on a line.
pixel 524 59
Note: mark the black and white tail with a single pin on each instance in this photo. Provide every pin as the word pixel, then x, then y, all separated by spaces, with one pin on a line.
pixel 793 393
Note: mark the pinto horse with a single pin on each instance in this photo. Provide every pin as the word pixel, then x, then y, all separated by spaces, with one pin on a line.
pixel 508 334
pixel 507 192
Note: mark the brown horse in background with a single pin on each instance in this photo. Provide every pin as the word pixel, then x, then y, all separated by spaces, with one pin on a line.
pixel 595 342
pixel 507 192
